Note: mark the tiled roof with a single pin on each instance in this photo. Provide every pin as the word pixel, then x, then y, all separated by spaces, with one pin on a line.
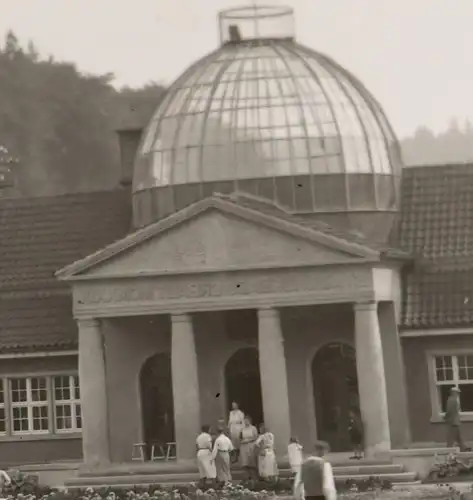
pixel 436 225
pixel 37 237
pixel 31 322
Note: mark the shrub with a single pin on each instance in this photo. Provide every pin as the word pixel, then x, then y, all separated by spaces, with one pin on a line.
pixel 449 467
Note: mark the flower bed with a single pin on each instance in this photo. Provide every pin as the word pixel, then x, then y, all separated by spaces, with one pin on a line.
pixel 450 468
pixel 25 487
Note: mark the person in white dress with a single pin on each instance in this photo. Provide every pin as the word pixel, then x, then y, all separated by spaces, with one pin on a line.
pixel 249 435
pixel 267 464
pixel 205 461
pixel 235 426
pixel 223 446
pixel 294 453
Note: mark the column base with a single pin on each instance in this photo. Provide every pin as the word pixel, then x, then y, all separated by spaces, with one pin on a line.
pixel 378 452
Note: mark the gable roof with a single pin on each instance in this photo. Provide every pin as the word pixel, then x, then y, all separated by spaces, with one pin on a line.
pixel 436 226
pixel 38 235
pixel 244 207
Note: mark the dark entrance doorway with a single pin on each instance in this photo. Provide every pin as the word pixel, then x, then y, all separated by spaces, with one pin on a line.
pixel 243 383
pixel 335 393
pixel 156 400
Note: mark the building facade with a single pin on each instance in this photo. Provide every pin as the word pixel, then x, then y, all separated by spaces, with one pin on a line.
pixel 266 247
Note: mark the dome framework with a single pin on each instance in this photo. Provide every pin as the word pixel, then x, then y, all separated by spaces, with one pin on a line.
pixel 270 108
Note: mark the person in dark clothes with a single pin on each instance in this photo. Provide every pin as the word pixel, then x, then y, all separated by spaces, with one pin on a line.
pixel 315 480
pixel 355 429
pixel 452 419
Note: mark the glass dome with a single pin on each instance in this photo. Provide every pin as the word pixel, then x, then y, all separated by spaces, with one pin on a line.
pixel 263 107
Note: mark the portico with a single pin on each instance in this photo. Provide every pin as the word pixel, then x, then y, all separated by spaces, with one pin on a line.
pixel 169 288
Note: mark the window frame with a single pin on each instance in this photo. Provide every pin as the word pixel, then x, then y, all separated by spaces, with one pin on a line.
pixel 29 404
pixel 72 402
pixel 4 387
pixel 8 405
pixel 437 414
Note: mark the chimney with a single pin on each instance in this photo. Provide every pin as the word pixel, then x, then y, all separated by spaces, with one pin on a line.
pixel 129 140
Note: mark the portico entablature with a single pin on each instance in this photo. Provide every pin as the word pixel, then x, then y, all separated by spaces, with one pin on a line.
pixel 218 255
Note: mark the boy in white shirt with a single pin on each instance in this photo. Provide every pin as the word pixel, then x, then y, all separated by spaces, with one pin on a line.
pixel 294 453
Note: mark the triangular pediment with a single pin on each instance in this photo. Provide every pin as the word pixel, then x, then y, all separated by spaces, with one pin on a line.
pixel 216 237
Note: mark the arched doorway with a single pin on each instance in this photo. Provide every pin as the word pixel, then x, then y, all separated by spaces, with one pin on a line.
pixel 335 393
pixel 157 400
pixel 243 383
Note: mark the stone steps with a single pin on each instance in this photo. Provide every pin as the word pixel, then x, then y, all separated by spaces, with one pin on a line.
pixel 180 475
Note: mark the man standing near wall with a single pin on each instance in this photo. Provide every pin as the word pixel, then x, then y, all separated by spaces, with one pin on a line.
pixel 452 419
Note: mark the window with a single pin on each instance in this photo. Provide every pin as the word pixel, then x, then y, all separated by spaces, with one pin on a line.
pixel 42 404
pixel 3 417
pixel 67 403
pixel 29 405
pixel 451 371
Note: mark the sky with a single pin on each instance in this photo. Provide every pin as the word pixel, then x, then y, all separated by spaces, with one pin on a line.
pixel 415 56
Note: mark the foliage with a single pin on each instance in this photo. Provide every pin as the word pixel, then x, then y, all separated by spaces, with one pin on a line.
pixel 238 492
pixel 60 122
pixel 24 484
pixel 448 467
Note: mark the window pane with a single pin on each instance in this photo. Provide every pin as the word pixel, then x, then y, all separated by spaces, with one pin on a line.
pixel 20 419
pixel 466 397
pixel 40 418
pixel 63 417
pixel 78 416
pixel 18 390
pixel 443 368
pixel 76 385
pixel 38 389
pixel 465 367
pixel 62 390
pixel 2 421
pixel 2 394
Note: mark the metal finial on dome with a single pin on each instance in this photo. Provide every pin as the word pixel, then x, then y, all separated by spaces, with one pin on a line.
pixel 256 22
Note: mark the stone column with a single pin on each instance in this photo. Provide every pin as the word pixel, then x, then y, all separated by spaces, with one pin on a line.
pixel 274 387
pixel 185 386
pixel 93 394
pixel 371 380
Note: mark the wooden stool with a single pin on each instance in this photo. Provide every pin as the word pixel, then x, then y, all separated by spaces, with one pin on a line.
pixel 139 452
pixel 170 447
pixel 157 452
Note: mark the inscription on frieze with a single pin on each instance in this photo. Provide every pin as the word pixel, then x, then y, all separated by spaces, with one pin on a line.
pixel 220 285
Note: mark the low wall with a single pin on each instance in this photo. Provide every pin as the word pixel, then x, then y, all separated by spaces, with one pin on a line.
pixel 54 475
pixel 420 460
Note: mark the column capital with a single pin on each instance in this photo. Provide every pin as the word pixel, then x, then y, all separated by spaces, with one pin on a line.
pixel 370 305
pixel 268 312
pixel 88 323
pixel 181 318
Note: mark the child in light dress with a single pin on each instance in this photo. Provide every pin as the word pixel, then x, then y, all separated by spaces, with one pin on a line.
pixel 4 480
pixel 294 453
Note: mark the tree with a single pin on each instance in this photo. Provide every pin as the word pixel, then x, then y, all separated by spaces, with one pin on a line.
pixel 12 47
